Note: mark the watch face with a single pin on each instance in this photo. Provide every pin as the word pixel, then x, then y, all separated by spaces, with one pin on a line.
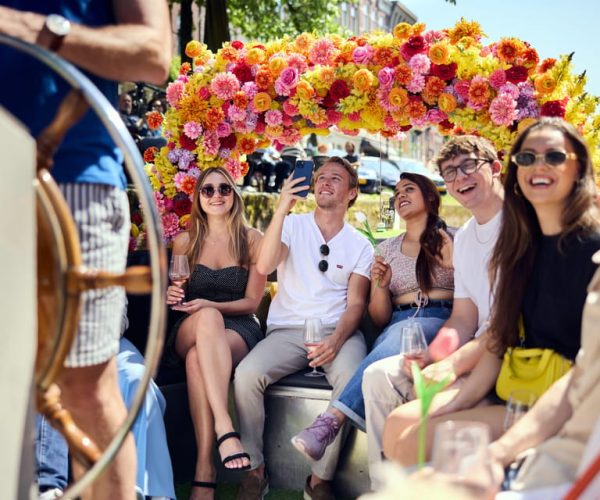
pixel 58 25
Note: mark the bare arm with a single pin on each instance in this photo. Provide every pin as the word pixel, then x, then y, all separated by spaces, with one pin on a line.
pixel 358 287
pixel 137 48
pixel 272 251
pixel 380 302
pixel 478 384
pixel 543 421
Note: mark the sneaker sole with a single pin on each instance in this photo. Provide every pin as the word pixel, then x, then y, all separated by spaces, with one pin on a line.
pixel 300 447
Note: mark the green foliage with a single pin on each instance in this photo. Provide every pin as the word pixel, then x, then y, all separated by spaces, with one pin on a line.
pixel 174 68
pixel 270 19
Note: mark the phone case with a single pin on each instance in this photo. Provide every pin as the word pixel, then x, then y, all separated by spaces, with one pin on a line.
pixel 304 168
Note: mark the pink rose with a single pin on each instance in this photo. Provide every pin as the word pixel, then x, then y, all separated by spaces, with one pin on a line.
pixel 386 77
pixel 362 55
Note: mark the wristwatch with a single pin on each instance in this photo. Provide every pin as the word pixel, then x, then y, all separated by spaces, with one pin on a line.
pixel 54 31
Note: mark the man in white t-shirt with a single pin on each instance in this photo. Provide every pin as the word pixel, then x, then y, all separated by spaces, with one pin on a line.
pixel 471 169
pixel 323 266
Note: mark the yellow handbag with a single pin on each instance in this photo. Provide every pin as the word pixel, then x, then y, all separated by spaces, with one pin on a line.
pixel 534 369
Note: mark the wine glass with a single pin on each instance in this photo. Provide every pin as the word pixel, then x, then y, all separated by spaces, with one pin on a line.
pixel 460 457
pixel 519 402
pixel 179 271
pixel 412 342
pixel 313 337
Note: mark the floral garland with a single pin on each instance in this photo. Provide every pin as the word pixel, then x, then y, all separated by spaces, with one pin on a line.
pixel 224 106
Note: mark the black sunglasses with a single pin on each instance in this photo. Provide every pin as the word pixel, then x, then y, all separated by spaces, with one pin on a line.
pixel 467 167
pixel 208 190
pixel 323 264
pixel 550 158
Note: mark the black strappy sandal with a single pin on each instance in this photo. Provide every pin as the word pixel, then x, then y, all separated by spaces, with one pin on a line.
pixel 229 458
pixel 204 484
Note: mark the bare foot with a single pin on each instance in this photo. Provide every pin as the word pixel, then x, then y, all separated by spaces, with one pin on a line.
pixel 232 447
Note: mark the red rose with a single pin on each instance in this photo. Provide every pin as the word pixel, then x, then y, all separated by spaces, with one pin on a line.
pixel 414 45
pixel 339 90
pixel 187 143
pixel 446 124
pixel 182 206
pixel 405 128
pixel 516 74
pixel 553 108
pixel 443 71
pixel 236 44
pixel 136 218
pixel 243 72
pixel 229 141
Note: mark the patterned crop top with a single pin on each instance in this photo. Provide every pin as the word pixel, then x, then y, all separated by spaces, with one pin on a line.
pixel 404 276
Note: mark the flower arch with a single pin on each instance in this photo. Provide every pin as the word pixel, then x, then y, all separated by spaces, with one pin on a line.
pixel 224 106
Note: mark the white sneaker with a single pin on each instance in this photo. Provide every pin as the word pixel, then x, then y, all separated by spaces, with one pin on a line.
pixel 51 494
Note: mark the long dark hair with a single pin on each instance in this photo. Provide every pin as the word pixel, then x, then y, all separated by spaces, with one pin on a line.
pixel 431 241
pixel 236 222
pixel 520 233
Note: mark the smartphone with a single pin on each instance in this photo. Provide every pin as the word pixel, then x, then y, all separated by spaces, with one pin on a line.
pixel 304 168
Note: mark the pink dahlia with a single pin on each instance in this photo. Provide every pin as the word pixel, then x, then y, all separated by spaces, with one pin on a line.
pixel 416 84
pixel 170 224
pixel 322 52
pixel 211 143
pixel 420 64
pixel 192 129
pixel 224 85
pixel 273 117
pixel 175 92
pixel 297 61
pixel 503 110
pixel 498 78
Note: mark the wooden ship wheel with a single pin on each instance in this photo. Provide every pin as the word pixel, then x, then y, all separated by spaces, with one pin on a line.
pixel 61 276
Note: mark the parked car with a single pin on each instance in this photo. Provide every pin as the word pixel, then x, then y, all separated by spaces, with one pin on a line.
pixel 383 169
pixel 368 180
pixel 417 167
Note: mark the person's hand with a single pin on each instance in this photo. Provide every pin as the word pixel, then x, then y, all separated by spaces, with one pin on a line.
pixel 440 371
pixel 288 195
pixel 175 294
pixel 445 258
pixel 381 272
pixel 325 352
pixel 421 362
pixel 192 306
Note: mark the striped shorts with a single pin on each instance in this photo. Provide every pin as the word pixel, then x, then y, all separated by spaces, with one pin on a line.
pixel 101 214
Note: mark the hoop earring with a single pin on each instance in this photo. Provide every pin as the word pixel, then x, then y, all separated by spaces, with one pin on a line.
pixel 516 189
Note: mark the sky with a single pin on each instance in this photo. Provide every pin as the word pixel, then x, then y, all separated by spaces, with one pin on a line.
pixel 552 27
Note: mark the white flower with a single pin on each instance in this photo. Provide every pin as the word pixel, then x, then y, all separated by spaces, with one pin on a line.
pixel 360 217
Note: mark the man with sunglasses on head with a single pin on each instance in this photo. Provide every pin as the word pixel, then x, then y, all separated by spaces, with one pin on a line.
pixel 323 268
pixel 471 169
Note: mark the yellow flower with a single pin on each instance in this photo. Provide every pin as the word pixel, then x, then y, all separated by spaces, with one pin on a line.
pixel 326 75
pixel 194 48
pixel 255 56
pixel 447 102
pixel 398 97
pixel 465 28
pixel 363 80
pixel 183 221
pixel 262 101
pixel 303 42
pixel 277 65
pixel 402 31
pixel 373 117
pixel 439 53
pixel 545 84
pixel 304 90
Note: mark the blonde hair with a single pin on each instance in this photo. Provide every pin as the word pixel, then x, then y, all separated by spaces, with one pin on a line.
pixel 237 226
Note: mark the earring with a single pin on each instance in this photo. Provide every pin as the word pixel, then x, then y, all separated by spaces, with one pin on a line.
pixel 516 189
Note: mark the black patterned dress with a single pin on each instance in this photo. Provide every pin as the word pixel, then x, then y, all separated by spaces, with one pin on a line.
pixel 219 285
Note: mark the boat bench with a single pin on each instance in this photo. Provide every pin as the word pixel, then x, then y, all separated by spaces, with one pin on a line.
pixel 291 404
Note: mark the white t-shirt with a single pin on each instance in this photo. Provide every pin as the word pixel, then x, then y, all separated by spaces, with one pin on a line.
pixel 473 246
pixel 303 291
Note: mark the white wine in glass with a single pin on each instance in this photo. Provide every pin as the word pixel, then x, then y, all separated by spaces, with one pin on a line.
pixel 179 271
pixel 518 404
pixel 412 342
pixel 313 337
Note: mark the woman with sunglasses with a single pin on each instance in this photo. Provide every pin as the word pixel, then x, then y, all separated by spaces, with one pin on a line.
pixel 412 280
pixel 219 327
pixel 541 265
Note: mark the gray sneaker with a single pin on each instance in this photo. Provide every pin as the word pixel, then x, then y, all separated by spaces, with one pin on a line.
pixel 313 440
